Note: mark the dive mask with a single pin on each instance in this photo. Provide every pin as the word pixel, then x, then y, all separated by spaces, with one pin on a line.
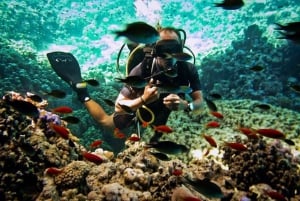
pixel 164 47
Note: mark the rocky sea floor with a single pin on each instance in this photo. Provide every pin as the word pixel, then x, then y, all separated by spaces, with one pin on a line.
pixel 38 164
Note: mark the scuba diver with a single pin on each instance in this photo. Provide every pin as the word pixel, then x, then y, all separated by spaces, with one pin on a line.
pixel 150 103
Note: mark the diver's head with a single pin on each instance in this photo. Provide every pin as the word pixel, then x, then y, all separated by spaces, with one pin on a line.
pixel 169 43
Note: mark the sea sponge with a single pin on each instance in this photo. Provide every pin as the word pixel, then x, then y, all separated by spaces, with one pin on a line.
pixel 73 175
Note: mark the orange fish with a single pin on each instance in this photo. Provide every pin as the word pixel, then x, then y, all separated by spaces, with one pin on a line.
pixel 92 157
pixel 119 134
pixel 53 171
pixel 236 145
pixel 163 129
pixel 62 110
pixel 145 124
pixel 96 143
pixel 213 124
pixel 60 130
pixel 210 140
pixel 217 114
pixel 271 133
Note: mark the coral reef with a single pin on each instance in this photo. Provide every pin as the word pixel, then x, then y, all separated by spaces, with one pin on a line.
pixel 271 164
pixel 54 169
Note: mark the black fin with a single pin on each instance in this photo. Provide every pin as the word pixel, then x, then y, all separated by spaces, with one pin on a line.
pixel 66 66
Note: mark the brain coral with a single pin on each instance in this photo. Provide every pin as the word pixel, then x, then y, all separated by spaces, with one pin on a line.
pixel 73 175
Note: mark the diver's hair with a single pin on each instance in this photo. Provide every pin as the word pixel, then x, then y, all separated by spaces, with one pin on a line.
pixel 172 29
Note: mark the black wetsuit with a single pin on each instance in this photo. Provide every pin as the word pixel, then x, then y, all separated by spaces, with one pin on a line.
pixel 187 75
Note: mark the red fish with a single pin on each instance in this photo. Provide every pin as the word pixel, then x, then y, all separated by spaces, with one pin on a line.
pixel 217 114
pixel 250 133
pixel 271 133
pixel 134 138
pixel 163 129
pixel 213 124
pixel 62 110
pixel 96 143
pixel 53 171
pixel 92 157
pixel 119 134
pixel 190 198
pixel 210 140
pixel 236 145
pixel 275 195
pixel 177 172
pixel 60 130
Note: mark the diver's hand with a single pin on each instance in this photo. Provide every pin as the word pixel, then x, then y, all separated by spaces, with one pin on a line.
pixel 174 102
pixel 151 93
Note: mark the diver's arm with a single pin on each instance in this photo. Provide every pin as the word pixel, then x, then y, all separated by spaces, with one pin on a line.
pixel 98 113
pixel 174 102
pixel 150 94
pixel 197 100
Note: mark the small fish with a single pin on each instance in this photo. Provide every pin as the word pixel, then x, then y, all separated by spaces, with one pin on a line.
pixel 230 4
pixel 295 37
pixel 289 142
pixel 24 107
pixel 60 130
pixel 263 106
pixel 236 145
pixel 204 187
pixel 163 129
pixel 289 27
pixel 92 82
pixel 56 93
pixel 271 133
pixel 160 156
pixel 109 102
pixel 217 114
pixel 275 195
pixel 211 105
pixel 118 134
pixel 96 143
pixel 215 95
pixel 177 172
pixel 250 133
pixel 53 171
pixel 134 138
pixel 168 147
pixel 213 124
pixel 92 158
pixel 295 87
pixel 210 140
pixel 256 68
pixel 71 119
pixel 34 97
pixel 134 81
pixel 62 110
pixel 139 32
